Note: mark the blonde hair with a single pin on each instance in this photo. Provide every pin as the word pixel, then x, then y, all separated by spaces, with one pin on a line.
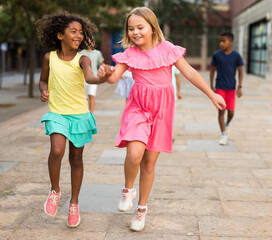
pixel 151 18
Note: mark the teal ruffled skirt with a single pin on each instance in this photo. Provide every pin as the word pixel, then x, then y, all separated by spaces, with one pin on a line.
pixel 76 128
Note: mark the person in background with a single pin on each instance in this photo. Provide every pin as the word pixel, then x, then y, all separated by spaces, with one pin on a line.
pixel 96 60
pixel 226 62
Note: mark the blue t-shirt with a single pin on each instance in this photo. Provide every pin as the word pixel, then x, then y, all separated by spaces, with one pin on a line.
pixel 226 65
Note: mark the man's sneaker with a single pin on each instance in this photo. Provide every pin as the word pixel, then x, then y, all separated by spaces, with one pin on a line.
pixel 227 129
pixel 51 203
pixel 138 221
pixel 223 140
pixel 125 203
pixel 73 215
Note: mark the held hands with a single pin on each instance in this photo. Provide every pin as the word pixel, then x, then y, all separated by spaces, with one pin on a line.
pixel 44 95
pixel 218 101
pixel 105 71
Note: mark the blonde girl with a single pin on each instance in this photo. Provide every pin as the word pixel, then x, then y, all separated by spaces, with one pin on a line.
pixel 147 121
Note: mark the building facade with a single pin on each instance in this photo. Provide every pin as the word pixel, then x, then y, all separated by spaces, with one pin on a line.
pixel 251 25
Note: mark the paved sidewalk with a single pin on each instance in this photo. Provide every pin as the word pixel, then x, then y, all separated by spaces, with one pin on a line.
pixel 202 191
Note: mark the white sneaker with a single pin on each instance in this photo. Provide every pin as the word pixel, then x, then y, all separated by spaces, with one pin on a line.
pixel 223 140
pixel 125 203
pixel 138 221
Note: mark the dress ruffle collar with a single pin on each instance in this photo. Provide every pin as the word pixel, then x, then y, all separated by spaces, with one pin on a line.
pixel 162 55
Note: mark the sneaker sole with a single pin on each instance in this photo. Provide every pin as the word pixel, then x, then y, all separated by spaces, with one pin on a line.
pixel 125 210
pixel 73 226
pixel 136 230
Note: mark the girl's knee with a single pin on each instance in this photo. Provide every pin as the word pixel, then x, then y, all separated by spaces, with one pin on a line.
pixel 57 153
pixel 134 159
pixel 76 162
pixel 148 167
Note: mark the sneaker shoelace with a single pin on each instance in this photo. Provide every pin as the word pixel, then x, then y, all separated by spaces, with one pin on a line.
pixel 54 198
pixel 72 210
pixel 139 216
pixel 125 196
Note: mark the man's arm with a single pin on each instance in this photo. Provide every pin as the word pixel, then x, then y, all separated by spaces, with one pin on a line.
pixel 240 77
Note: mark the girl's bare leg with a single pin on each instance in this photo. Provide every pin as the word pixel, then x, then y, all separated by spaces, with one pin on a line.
pixel 76 163
pixel 57 150
pixel 147 175
pixel 135 152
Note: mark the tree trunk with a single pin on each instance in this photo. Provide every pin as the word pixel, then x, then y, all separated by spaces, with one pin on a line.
pixel 26 63
pixel 31 65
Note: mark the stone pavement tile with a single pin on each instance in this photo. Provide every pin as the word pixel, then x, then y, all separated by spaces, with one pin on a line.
pixel 200 106
pixel 69 234
pixel 201 127
pixel 232 156
pixel 5 166
pixel 90 222
pixel 99 198
pixel 185 159
pixel 11 219
pixel 245 194
pixel 116 156
pixel 133 236
pixel 188 207
pixel 262 173
pixel 247 209
pixel 267 158
pixel 99 174
pixel 223 177
pixel 254 146
pixel 210 146
pixel 148 236
pixel 235 227
pixel 183 179
pixel 171 171
pixel 234 238
pixel 237 163
pixel 181 193
pixel 106 113
pixel 265 183
pixel 157 224
pixel 5 234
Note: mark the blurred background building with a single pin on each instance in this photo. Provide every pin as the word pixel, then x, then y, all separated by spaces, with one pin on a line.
pixel 251 24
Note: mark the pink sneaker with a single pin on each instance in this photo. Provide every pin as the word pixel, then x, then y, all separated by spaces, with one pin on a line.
pixel 73 216
pixel 51 203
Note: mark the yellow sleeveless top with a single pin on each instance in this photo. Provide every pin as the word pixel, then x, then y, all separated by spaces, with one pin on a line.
pixel 66 86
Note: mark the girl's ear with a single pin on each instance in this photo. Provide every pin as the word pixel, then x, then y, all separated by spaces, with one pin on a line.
pixel 59 36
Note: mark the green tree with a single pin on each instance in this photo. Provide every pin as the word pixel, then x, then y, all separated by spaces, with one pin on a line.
pixel 23 15
pixel 18 18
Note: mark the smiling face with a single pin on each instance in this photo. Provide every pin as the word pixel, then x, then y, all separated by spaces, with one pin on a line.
pixel 140 32
pixel 72 37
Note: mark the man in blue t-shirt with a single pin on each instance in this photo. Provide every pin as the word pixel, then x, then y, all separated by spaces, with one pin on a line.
pixel 226 61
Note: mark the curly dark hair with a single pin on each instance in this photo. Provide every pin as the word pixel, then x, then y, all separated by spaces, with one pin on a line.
pixel 50 25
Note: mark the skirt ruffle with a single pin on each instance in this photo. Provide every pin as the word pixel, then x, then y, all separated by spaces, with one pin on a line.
pixel 76 128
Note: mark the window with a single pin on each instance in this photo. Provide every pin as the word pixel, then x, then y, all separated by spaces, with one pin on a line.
pixel 257 57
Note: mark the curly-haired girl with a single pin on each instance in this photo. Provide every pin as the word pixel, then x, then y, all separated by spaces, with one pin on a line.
pixel 62 83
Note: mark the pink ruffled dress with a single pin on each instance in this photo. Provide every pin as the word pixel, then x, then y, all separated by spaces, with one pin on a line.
pixel 149 113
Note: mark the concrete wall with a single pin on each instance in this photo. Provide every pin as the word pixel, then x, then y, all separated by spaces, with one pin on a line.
pixel 240 28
